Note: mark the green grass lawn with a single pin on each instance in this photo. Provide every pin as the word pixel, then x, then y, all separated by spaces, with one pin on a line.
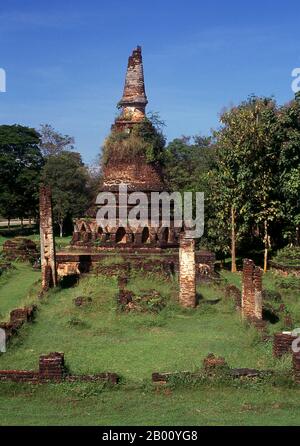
pixel 18 287
pixel 98 338
pixel 79 405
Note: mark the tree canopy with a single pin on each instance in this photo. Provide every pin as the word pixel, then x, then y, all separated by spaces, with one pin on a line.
pixel 21 162
pixel 68 177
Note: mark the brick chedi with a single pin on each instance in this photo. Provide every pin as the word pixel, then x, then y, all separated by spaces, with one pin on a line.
pixel 48 260
pixel 135 171
pixel 138 175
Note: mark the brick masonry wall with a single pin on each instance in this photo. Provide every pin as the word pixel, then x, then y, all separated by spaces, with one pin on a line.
pixel 18 317
pixel 20 248
pixel 48 258
pixel 251 291
pixel 52 369
pixel 187 272
pixel 141 177
pixel 282 344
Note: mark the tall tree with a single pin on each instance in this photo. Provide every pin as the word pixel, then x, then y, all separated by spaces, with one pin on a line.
pixel 289 168
pixel 53 142
pixel 21 162
pixel 68 178
pixel 247 172
pixel 187 161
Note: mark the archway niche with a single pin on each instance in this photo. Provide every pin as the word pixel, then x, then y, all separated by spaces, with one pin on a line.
pixel 121 235
pixel 164 235
pixel 145 235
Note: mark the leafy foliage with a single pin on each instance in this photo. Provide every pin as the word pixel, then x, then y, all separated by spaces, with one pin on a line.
pixel 68 178
pixel 289 256
pixel 20 167
pixel 245 178
pixel 146 140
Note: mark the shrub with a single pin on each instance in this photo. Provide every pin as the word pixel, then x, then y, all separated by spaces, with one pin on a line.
pixel 145 141
pixel 288 256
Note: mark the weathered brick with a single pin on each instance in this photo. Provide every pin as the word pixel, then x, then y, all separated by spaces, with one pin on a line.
pixel 187 272
pixel 251 291
pixel 48 257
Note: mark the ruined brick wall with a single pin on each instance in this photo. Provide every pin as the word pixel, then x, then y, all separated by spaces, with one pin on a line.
pixel 187 272
pixel 141 176
pixel 282 344
pixel 251 290
pixel 18 317
pixel 52 369
pixel 20 248
pixel 19 376
pixel 48 261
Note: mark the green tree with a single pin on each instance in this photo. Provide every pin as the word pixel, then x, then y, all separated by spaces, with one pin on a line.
pixel 21 162
pixel 289 166
pixel 247 170
pixel 228 191
pixel 187 161
pixel 68 178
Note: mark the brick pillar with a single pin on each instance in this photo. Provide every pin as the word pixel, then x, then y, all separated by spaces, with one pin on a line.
pixel 48 260
pixel 52 366
pixel 187 272
pixel 252 290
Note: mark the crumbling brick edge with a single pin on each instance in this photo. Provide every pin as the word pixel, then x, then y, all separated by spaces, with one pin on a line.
pixel 17 318
pixel 211 364
pixel 282 343
pixel 52 370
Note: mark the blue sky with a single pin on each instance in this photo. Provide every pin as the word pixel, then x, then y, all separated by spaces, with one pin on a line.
pixel 66 60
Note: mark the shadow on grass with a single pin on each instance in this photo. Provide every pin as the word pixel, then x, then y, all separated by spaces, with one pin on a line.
pixel 18 231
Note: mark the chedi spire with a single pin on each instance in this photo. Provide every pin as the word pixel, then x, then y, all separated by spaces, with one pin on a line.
pixel 134 99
